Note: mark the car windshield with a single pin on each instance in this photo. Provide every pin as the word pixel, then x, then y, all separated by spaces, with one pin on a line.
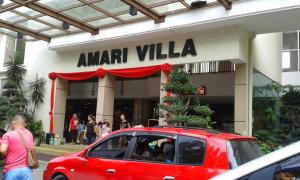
pixel 241 152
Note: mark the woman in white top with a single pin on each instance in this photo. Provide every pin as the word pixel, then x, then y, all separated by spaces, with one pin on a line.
pixel 105 129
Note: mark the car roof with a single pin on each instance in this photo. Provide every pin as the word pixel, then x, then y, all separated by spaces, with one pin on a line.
pixel 191 131
pixel 260 163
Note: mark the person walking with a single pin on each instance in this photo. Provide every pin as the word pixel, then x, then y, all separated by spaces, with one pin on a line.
pixel 80 130
pixel 90 131
pixel 13 149
pixel 73 128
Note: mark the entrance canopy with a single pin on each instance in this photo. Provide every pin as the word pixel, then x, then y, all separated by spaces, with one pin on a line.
pixel 45 19
pixel 100 73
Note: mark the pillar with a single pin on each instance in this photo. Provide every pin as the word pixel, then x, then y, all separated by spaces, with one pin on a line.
pixel 60 98
pixel 163 80
pixel 105 99
pixel 243 100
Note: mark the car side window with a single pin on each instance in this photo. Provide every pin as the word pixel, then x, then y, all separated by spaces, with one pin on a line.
pixel 113 148
pixel 191 150
pixel 154 148
pixel 289 169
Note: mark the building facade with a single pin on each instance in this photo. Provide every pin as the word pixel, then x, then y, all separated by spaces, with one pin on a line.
pixel 227 52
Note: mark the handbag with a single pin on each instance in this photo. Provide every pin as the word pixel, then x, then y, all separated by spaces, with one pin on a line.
pixel 31 154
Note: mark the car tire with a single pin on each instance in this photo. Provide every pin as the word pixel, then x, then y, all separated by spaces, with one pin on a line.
pixel 59 177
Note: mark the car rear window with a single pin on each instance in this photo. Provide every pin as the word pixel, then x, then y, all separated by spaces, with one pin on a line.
pixel 241 152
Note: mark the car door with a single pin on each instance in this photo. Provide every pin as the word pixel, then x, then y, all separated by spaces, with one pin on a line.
pixel 147 159
pixel 105 160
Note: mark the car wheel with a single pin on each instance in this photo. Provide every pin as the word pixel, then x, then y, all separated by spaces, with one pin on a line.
pixel 59 177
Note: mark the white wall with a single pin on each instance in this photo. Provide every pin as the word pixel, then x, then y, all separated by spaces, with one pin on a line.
pixel 266 55
pixel 211 45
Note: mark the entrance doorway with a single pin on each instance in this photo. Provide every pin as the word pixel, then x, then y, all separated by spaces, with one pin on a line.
pixel 135 110
pixel 82 107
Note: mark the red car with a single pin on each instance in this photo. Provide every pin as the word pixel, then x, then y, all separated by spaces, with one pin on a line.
pixel 162 153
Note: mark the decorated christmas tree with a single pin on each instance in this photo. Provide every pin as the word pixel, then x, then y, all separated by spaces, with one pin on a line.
pixel 183 106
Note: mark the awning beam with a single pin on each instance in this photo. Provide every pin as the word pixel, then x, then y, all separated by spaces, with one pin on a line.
pixel 157 18
pixel 226 4
pixel 24 31
pixel 56 15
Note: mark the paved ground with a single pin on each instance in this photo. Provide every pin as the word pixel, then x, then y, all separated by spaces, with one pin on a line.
pixel 38 173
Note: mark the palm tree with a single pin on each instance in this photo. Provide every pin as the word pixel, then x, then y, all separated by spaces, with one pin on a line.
pixel 36 89
pixel 15 69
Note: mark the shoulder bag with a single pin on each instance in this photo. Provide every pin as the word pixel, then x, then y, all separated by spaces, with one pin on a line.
pixel 31 154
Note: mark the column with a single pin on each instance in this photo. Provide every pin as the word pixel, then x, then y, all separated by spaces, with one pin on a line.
pixel 105 99
pixel 242 100
pixel 163 80
pixel 60 98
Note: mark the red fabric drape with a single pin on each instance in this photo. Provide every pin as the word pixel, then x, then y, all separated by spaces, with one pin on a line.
pixel 51 102
pixel 100 73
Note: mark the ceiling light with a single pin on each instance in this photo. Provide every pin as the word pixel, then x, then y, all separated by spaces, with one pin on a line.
pixel 198 4
pixel 132 11
pixel 66 25
pixel 20 35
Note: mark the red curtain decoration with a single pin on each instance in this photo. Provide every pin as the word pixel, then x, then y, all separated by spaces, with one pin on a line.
pixel 132 73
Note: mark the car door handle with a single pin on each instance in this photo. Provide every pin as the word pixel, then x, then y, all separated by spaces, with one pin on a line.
pixel 168 178
pixel 111 171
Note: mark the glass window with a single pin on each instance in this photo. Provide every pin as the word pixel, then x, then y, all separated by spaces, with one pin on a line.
pixel 51 20
pixel 169 8
pixel 113 6
pixel 113 148
pixel 241 152
pixel 127 16
pixel 83 12
pixel 151 2
pixel 53 32
pixel 290 61
pixel 290 169
pixel 102 22
pixel 11 17
pixel 34 25
pixel 290 41
pixel 191 150
pixel 60 4
pixel 27 11
pixel 8 32
pixel 154 148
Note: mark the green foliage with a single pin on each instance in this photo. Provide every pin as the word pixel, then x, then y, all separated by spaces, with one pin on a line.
pixel 276 116
pixel 14 97
pixel 36 90
pixel 15 69
pixel 36 128
pixel 183 106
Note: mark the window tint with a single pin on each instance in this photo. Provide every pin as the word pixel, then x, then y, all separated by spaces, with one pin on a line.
pixel 154 148
pixel 240 152
pixel 191 150
pixel 113 148
pixel 265 174
pixel 290 169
